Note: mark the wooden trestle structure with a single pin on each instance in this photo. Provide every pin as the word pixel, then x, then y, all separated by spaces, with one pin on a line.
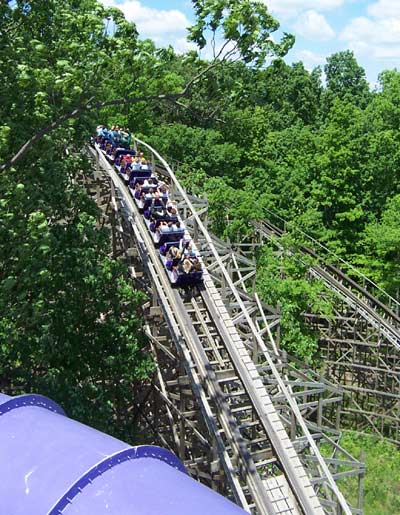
pixel 359 346
pixel 246 418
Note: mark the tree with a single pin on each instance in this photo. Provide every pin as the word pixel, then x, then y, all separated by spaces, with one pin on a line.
pixel 345 78
pixel 52 54
pixel 291 90
pixel 70 323
pixel 240 29
pixel 245 26
pixel 282 281
pixel 382 245
pixel 69 320
pixel 197 147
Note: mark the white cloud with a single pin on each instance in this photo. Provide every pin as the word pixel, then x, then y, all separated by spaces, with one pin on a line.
pixel 310 59
pixel 384 9
pixel 181 45
pixel 312 25
pixel 152 22
pixel 376 38
pixel 389 53
pixel 291 8
pixel 363 29
pixel 164 26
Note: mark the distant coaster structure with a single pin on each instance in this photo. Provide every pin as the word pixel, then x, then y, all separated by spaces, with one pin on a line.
pixel 360 344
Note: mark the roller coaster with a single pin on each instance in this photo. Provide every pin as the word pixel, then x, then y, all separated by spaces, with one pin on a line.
pixel 378 314
pixel 177 251
pixel 244 417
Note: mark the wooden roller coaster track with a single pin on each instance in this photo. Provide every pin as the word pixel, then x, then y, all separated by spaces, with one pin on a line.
pixel 246 419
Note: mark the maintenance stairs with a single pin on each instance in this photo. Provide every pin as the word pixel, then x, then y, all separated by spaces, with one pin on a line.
pixel 227 392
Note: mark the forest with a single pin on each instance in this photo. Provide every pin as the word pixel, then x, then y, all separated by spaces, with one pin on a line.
pixel 259 137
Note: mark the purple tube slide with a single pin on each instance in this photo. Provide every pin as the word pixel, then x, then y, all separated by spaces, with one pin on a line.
pixel 50 464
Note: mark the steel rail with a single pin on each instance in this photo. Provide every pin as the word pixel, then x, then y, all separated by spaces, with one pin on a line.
pixel 339 273
pixel 366 311
pixel 172 316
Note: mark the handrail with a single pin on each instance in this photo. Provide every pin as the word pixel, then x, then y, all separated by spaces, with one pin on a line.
pixel 303 500
pixel 333 275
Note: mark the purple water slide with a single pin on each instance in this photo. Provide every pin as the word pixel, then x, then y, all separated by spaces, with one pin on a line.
pixel 50 464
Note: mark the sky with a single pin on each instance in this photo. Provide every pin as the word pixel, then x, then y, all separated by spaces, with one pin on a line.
pixel 371 28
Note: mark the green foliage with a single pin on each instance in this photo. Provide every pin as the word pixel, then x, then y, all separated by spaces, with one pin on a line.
pixel 53 54
pixel 245 24
pixel 382 242
pixel 70 322
pixel 345 78
pixel 197 147
pixel 290 90
pixel 382 477
pixel 257 140
pixel 193 180
pixel 281 281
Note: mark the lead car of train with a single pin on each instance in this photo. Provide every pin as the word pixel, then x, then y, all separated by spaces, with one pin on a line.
pixel 177 251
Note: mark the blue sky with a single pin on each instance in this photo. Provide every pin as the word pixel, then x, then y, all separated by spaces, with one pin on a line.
pixel 371 28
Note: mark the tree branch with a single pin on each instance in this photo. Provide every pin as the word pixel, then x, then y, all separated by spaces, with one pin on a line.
pixel 197 77
pixel 99 105
pixel 198 114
